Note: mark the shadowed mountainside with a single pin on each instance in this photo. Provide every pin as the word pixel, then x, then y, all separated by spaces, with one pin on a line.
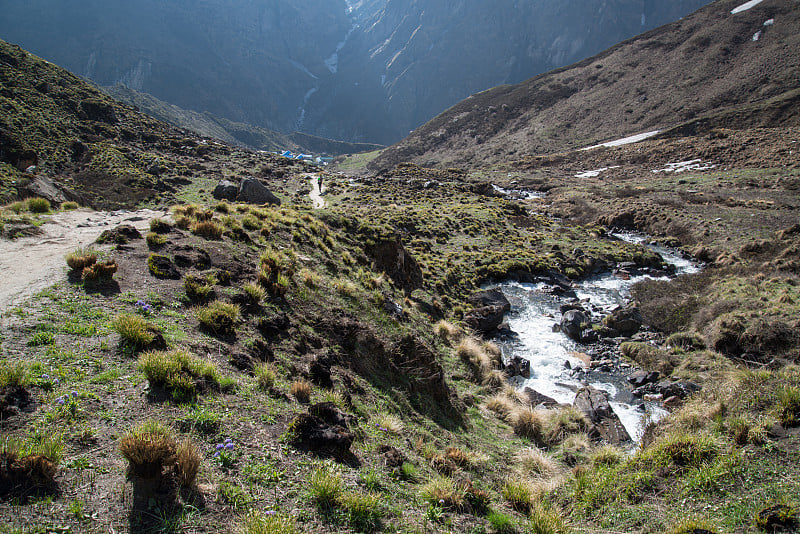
pixel 710 62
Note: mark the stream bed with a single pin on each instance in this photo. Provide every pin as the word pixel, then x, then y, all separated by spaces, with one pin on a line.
pixel 534 311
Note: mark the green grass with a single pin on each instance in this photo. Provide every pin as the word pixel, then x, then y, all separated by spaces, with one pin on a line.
pixel 257 522
pixel 180 373
pixel 135 331
pixel 13 374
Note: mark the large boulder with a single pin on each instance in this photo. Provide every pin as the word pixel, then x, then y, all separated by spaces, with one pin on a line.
pixel 572 324
pixel 226 190
pixel 254 192
pixel 626 321
pixel 535 398
pixel 490 309
pixel 605 424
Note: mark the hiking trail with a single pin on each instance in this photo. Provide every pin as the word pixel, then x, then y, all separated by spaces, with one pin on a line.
pixel 30 264
pixel 316 194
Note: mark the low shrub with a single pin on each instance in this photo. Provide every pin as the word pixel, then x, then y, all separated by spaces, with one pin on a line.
pixel 69 206
pixel 529 423
pixel 325 488
pixel 208 229
pixel 219 317
pixel 180 373
pixel 149 448
pixel 38 205
pixel 79 259
pixel 135 332
pixel 265 375
pixel 444 492
pixel 13 375
pixel 536 463
pixel 447 331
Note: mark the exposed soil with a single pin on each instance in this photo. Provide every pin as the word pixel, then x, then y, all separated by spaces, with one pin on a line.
pixel 30 264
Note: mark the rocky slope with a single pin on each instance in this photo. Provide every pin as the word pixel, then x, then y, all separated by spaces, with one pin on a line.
pixel 367 72
pixel 710 62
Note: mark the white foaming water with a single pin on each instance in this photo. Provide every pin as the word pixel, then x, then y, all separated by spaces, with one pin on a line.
pixel 533 314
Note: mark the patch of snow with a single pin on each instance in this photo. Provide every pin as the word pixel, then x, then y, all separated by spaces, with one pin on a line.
pixel 681 166
pixel 625 140
pixel 332 63
pixel 769 22
pixel 757 36
pixel 745 6
pixel 595 173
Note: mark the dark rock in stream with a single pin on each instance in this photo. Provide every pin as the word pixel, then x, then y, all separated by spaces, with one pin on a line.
pixel 535 398
pixel 572 324
pixel 605 425
pixel 627 321
pixel 518 366
pixel 491 307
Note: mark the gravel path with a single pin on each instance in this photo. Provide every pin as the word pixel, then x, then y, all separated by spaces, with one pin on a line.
pixel 31 264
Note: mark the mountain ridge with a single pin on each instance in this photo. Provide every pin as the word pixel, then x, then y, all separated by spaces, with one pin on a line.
pixel 619 92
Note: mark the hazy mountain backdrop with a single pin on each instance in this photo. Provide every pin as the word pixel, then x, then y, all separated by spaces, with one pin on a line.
pixel 358 71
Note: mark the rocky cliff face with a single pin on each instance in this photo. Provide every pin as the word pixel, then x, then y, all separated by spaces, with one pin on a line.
pixel 366 70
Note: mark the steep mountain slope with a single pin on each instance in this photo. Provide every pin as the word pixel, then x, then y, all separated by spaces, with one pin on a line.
pixel 235 133
pixel 708 62
pixel 425 57
pixel 59 132
pixel 365 72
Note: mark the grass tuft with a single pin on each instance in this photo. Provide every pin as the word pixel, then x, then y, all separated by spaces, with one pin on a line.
pixel 219 317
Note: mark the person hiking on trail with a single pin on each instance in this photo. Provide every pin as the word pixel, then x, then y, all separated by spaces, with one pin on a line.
pixel 319 183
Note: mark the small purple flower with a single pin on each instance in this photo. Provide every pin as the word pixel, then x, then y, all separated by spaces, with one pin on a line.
pixel 441 501
pixel 46 377
pixel 229 446
pixel 270 512
pixel 228 440
pixel 216 454
pixel 74 394
pixel 220 446
pixel 56 381
pixel 140 303
pixel 60 400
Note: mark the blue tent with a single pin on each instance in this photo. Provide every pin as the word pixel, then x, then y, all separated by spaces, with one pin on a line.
pixel 287 154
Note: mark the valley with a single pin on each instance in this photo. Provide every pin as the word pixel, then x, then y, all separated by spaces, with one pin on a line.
pixel 521 326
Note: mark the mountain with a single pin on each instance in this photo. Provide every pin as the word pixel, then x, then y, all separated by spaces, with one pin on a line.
pixel 62 138
pixel 235 133
pixel 365 71
pixel 710 63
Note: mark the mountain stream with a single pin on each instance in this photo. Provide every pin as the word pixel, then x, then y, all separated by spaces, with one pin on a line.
pixel 533 314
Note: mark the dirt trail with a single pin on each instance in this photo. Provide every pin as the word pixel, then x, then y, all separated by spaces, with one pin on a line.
pixel 31 264
pixel 316 193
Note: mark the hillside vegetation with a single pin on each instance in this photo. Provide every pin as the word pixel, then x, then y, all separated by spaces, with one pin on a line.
pixel 275 368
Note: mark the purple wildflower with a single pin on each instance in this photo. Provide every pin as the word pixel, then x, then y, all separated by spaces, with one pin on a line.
pixel 60 400
pixel 56 381
pixel 45 376
pixel 74 393
pixel 270 512
pixel 229 446
pixel 216 454
pixel 220 446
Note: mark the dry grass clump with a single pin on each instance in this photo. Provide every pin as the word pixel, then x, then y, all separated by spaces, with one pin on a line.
pixel 502 405
pixel 562 422
pixel 159 226
pixel 301 390
pixel 444 492
pixel 79 259
pixel 483 358
pixel 29 464
pixel 534 462
pixel 529 423
pixel 265 374
pixel 148 448
pixel 187 463
pixel 98 272
pixel 649 357
pixel 448 332
pixel 494 379
pixel 208 229
pixel 219 317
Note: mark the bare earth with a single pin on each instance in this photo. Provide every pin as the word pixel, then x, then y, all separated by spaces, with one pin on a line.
pixel 316 193
pixel 31 264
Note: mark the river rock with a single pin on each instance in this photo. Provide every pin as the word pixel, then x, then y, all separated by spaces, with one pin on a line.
pixel 605 424
pixel 489 297
pixel 254 192
pixel 486 319
pixel 626 321
pixel 572 324
pixel 535 398
pixel 640 378
pixel 518 366
pixel 226 190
